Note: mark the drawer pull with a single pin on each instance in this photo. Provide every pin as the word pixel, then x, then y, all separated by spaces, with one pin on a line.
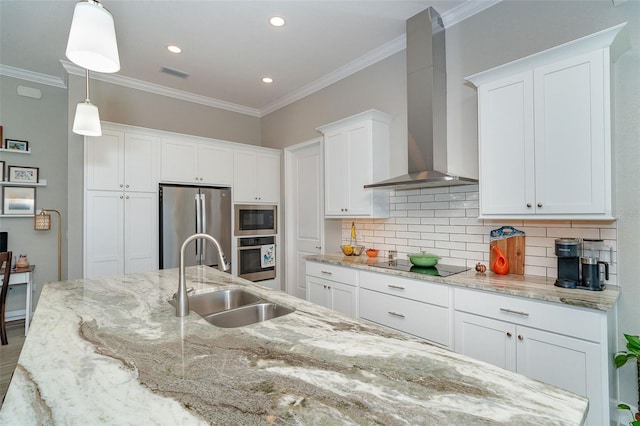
pixel 520 337
pixel 397 287
pixel 326 272
pixel 508 334
pixel 395 314
pixel 510 311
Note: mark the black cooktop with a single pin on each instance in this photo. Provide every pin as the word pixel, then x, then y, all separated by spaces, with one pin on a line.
pixel 439 270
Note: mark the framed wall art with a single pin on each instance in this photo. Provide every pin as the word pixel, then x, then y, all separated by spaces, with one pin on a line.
pixel 19 200
pixel 17 145
pixel 22 174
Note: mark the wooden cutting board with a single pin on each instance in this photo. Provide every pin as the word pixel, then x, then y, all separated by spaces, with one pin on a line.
pixel 512 242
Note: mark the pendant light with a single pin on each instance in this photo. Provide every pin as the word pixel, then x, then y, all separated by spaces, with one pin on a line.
pixel 87 119
pixel 92 38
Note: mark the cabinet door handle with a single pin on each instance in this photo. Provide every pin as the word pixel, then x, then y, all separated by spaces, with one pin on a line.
pixel 539 204
pixel 510 311
pixel 397 287
pixel 127 197
pixel 529 205
pixel 395 314
pixel 126 186
pixel 508 334
pixel 121 185
pixel 318 247
pixel 326 272
pixel 121 197
pixel 520 337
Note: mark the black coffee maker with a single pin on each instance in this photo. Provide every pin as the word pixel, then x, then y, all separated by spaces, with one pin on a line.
pixel 568 251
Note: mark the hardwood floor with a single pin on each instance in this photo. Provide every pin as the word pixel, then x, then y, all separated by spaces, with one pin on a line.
pixel 9 355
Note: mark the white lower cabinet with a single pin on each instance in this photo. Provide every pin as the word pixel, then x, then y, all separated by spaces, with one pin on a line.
pixel 563 346
pixel 332 287
pixel 415 307
pixel 121 233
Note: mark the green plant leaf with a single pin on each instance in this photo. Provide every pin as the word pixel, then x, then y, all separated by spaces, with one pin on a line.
pixel 623 407
pixel 621 358
pixel 633 343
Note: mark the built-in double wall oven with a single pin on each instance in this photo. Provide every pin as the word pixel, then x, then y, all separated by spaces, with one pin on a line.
pixel 255 227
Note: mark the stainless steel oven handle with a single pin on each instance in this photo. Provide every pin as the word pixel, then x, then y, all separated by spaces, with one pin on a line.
pixel 249 248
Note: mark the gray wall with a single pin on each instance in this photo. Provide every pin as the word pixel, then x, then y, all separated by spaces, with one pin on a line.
pixel 502 33
pixel 42 122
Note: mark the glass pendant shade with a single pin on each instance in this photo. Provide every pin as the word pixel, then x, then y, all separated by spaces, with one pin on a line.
pixel 87 120
pixel 92 38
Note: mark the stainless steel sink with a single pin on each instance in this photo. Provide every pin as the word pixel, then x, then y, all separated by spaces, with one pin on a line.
pixel 246 315
pixel 217 301
pixel 233 307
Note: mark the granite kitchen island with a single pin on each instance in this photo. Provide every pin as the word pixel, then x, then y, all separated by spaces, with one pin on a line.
pixel 112 351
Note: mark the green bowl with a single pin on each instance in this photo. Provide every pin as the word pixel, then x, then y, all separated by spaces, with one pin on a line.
pixel 423 260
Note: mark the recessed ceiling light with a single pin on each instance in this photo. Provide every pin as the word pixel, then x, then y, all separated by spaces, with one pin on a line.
pixel 174 49
pixel 277 21
pixel 267 80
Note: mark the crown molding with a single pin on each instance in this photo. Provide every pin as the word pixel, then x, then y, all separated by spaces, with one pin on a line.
pixel 466 10
pixel 35 77
pixel 396 45
pixel 157 89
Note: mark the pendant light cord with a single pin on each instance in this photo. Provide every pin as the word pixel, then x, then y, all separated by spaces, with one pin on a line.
pixel 87 98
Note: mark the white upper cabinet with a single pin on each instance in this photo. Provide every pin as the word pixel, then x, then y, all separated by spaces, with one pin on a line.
pixel 256 177
pixel 193 162
pixel 545 133
pixel 356 153
pixel 119 161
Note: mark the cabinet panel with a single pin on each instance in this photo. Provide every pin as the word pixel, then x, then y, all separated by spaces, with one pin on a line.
pixel 256 177
pixel 104 218
pixel 333 273
pixel 409 316
pixel 356 153
pixel 141 162
pixel 343 299
pixel 574 322
pixel 316 291
pixel 105 161
pixel 486 340
pixel 569 132
pixel 215 164
pixel 422 291
pixel 506 166
pixel 141 232
pixel 179 161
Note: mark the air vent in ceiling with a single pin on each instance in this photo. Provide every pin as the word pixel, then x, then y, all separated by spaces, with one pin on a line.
pixel 174 73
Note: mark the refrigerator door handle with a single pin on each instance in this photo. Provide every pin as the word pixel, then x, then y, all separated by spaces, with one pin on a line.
pixel 203 223
pixel 198 223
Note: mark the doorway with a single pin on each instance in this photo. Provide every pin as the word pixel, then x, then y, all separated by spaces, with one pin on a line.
pixel 304 210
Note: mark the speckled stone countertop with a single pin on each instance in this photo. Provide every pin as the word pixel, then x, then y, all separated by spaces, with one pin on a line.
pixel 112 351
pixel 529 286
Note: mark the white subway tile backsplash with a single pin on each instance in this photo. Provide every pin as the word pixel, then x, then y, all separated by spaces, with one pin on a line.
pixel 444 221
pixel 450 213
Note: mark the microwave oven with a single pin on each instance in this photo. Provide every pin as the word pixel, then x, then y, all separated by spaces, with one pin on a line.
pixel 255 219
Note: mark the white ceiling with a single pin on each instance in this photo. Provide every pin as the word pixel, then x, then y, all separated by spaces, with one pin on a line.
pixel 228 46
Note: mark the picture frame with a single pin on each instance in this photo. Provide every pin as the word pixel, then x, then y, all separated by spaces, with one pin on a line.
pixel 1 171
pixel 17 145
pixel 22 174
pixel 19 200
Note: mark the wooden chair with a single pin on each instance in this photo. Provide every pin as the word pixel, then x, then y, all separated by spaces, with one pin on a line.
pixel 5 258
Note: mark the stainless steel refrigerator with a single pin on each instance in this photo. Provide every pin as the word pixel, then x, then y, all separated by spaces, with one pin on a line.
pixel 186 210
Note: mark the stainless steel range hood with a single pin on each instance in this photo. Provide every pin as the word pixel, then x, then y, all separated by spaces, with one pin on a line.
pixel 426 107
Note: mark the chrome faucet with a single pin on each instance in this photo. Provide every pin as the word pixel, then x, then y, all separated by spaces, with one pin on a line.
pixel 182 301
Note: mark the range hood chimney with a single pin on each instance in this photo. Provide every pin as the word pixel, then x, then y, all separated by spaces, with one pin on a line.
pixel 426 107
